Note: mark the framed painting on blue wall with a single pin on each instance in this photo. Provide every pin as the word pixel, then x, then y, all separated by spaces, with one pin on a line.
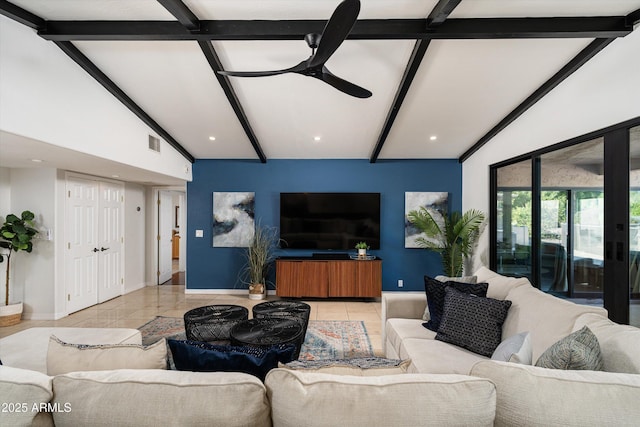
pixel 233 219
pixel 435 202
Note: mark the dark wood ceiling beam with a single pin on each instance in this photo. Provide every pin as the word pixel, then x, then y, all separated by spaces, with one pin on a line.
pixel 216 65
pixel 368 29
pixel 578 61
pixel 437 16
pixel 20 15
pixel 441 12
pixel 84 62
pixel 182 13
pixel 418 53
pixel 633 17
pixel 190 21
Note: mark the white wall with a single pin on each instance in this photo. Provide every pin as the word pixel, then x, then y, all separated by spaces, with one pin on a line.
pixel 605 91
pixel 33 275
pixel 48 97
pixel 5 208
pixel 135 236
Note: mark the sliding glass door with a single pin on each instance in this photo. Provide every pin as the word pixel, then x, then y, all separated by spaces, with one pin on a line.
pixel 568 218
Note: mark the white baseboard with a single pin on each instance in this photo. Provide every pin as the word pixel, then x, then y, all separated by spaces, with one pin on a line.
pixel 223 291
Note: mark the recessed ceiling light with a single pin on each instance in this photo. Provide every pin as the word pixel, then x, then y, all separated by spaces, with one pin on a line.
pixel 115 176
pixel 36 160
pixel 316 138
pixel 212 138
pixel 433 137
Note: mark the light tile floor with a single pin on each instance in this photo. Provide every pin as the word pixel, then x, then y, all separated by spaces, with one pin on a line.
pixel 136 308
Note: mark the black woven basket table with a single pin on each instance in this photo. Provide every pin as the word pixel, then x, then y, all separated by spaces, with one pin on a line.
pixel 213 322
pixel 267 332
pixel 295 309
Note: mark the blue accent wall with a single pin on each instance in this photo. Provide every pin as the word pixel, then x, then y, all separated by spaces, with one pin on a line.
pixel 217 268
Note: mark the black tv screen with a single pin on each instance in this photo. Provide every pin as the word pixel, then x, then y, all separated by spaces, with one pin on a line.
pixel 329 220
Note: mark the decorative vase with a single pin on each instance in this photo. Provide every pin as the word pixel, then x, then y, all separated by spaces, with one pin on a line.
pixel 10 314
pixel 257 291
pixel 362 253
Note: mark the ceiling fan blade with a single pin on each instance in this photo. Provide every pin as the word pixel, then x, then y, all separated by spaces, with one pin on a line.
pixel 336 30
pixel 295 69
pixel 343 85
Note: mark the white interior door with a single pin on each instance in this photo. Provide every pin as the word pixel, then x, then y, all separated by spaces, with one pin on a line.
pixel 110 239
pixel 81 275
pixel 165 227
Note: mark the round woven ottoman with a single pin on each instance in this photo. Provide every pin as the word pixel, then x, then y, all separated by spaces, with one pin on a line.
pixel 213 322
pixel 267 332
pixel 285 309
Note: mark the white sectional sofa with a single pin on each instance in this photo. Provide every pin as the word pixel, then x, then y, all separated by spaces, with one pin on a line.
pixel 287 398
pixel 529 395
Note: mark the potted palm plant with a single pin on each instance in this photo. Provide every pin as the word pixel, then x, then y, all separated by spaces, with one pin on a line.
pixel 259 257
pixel 454 241
pixel 16 235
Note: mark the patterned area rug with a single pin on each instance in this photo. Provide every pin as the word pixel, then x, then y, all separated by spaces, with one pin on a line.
pixel 326 339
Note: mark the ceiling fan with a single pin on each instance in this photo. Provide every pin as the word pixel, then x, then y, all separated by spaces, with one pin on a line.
pixel 322 47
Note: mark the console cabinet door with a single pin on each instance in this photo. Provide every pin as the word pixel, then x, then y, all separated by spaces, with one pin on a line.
pixel 301 279
pixel 369 279
pixel 342 278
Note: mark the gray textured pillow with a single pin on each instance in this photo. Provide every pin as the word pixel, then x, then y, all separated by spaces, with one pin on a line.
pixel 580 350
pixel 464 279
pixel 515 349
pixel 472 322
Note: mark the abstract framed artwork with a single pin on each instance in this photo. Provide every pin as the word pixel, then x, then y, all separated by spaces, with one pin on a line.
pixel 435 202
pixel 233 219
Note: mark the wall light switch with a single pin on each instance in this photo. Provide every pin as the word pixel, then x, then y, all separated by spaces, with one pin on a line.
pixel 199 233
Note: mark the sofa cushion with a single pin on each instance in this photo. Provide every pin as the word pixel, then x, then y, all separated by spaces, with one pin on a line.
pixel 579 350
pixel 515 349
pixel 464 279
pixel 64 357
pixel 435 291
pixel 358 366
pixel 398 330
pixel 203 357
pixel 437 357
pixel 532 396
pixel 313 399
pixel 22 391
pixel 141 397
pixel 28 349
pixel 472 322
pixel 547 318
pixel 619 344
pixel 499 285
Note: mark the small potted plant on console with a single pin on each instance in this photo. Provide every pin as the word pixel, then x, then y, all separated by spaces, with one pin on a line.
pixel 362 249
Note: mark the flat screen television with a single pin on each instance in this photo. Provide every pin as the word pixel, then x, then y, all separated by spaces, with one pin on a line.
pixel 334 221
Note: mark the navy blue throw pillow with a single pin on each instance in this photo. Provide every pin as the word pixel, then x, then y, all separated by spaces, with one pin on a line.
pixel 199 356
pixel 472 322
pixel 435 291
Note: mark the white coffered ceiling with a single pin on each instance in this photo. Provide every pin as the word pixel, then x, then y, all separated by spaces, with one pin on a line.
pixel 461 90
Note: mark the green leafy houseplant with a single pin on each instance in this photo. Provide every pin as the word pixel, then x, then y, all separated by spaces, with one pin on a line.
pixel 259 257
pixel 455 241
pixel 362 245
pixel 15 235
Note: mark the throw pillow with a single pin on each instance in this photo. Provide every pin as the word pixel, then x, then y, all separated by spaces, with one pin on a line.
pixel 359 366
pixel 472 322
pixel 443 279
pixel 64 357
pixel 515 349
pixel 435 291
pixel 580 350
pixel 204 357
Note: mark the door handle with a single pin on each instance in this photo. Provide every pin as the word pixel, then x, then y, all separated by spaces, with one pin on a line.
pixel 104 249
pixel 95 250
